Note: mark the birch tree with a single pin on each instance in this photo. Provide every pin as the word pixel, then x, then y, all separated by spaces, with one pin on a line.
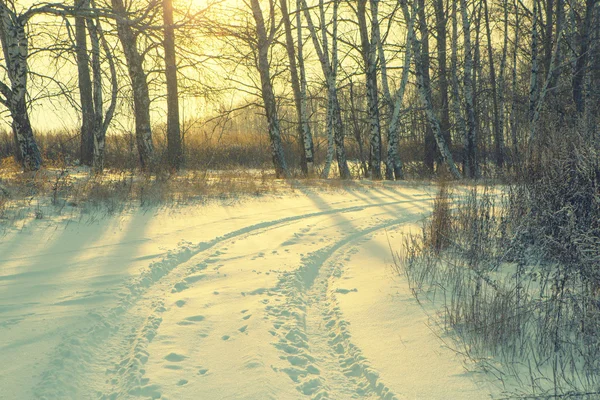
pixel 470 147
pixel 102 119
pixel 15 47
pixel 303 129
pixel 429 141
pixel 424 92
pixel 174 151
pixel 139 84
pixel 263 44
pixel 394 162
pixel 329 67
pixel 498 133
pixel 441 22
pixel 309 150
pixel 85 85
pixel 534 80
pixel 369 57
pixel 456 97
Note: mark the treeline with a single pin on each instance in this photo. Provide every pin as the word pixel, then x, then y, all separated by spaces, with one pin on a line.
pixel 486 86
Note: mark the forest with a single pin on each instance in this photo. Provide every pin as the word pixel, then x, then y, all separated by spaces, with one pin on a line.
pixel 374 88
pixel 293 199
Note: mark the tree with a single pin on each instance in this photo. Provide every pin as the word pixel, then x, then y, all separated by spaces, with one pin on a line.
pixel 174 151
pixel 101 119
pixel 141 96
pixel 424 91
pixel 303 129
pixel 329 68
pixel 441 22
pixel 470 155
pixel 369 56
pixel 429 141
pixel 15 45
pixel 85 85
pixel 498 133
pixel 263 43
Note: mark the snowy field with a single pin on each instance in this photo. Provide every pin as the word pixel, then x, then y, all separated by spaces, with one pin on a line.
pixel 286 296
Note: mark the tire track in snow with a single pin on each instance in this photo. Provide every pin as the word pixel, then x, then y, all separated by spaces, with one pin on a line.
pixel 77 354
pixel 312 333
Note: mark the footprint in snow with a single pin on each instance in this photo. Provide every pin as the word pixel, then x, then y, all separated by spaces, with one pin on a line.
pixel 345 291
pixel 191 320
pixel 174 357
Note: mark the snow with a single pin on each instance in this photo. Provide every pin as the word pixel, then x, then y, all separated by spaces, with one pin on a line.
pixel 286 296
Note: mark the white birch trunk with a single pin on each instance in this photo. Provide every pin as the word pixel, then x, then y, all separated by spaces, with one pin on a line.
pixel 267 92
pixel 139 84
pixel 329 71
pixel 425 96
pixel 470 156
pixel 15 46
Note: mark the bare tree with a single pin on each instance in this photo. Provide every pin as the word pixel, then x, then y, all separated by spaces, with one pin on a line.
pixel 424 91
pixel 141 96
pixel 15 45
pixel 102 119
pixel 498 133
pixel 441 22
pixel 264 42
pixel 429 140
pixel 329 70
pixel 470 156
pixel 369 56
pixel 174 151
pixel 394 163
pixel 309 150
pixel 85 85
pixel 303 129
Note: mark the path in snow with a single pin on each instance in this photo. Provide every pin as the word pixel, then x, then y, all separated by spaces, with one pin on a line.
pixel 285 297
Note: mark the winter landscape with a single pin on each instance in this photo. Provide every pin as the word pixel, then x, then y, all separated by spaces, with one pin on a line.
pixel 309 199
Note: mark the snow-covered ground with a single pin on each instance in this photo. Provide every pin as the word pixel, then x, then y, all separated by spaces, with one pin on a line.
pixel 287 296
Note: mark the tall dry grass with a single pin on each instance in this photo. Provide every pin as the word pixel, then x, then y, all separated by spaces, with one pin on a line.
pixel 515 276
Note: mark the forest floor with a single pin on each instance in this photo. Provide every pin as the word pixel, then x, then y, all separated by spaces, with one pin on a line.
pixel 287 295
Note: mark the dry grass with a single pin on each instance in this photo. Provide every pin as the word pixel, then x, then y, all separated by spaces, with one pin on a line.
pixel 508 289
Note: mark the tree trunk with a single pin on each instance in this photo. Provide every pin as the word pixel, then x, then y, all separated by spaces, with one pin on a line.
pixel 456 97
pixel 498 132
pixel 581 64
pixel 330 138
pixel 141 96
pixel 291 53
pixel 369 56
pixel 329 70
pixel 356 128
pixel 425 95
pixel 502 81
pixel 101 120
pixel 267 91
pixel 429 142
pixel 174 151
pixel 534 81
pixel 394 159
pixel 85 86
pixel 470 157
pixel 514 129
pixel 442 47
pixel 15 47
pixel 309 149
